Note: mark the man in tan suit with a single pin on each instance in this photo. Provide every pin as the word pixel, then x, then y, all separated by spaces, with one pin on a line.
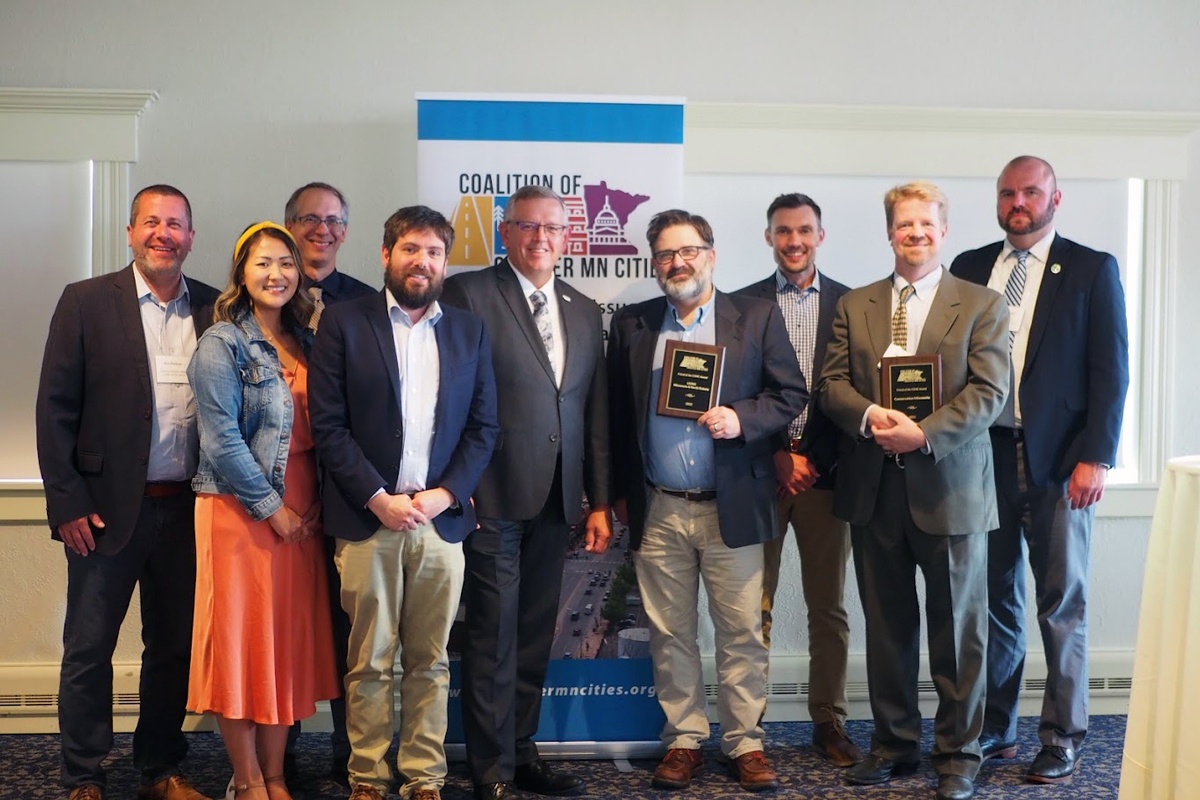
pixel 919 494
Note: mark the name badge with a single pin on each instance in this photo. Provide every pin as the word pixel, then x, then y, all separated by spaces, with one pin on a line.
pixel 171 369
pixel 1015 315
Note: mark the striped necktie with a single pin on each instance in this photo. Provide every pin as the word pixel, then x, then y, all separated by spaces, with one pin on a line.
pixel 1014 290
pixel 900 318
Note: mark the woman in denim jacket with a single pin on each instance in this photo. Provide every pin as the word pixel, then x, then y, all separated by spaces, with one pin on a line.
pixel 262 650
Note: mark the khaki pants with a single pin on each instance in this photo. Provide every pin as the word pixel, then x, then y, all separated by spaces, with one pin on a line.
pixel 400 590
pixel 682 544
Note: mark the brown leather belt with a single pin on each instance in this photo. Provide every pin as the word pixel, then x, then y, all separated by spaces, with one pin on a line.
pixel 706 496
pixel 167 488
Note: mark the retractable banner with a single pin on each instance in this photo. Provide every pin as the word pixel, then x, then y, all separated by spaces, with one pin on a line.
pixel 616 162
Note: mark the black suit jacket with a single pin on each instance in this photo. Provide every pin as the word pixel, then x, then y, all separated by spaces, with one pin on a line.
pixel 95 403
pixel 819 438
pixel 760 381
pixel 1076 369
pixel 354 406
pixel 538 420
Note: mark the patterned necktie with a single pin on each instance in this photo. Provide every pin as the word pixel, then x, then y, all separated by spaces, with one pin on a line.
pixel 900 318
pixel 1014 290
pixel 541 317
pixel 318 306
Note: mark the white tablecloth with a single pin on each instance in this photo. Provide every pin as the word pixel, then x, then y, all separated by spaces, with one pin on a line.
pixel 1162 740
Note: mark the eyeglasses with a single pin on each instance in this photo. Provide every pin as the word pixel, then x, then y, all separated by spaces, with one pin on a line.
pixel 551 229
pixel 334 224
pixel 689 253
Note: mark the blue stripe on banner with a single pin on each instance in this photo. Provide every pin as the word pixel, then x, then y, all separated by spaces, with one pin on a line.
pixel 509 121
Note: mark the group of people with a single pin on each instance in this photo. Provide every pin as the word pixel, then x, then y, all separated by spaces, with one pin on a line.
pixel 303 475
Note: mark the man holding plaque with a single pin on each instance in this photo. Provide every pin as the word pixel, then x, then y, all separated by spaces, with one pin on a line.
pixel 804 460
pixel 694 480
pixel 1070 353
pixel 918 493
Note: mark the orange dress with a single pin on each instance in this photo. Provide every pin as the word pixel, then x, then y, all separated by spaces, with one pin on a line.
pixel 262 642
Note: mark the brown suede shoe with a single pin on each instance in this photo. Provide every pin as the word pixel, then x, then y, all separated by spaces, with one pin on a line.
pixel 172 787
pixel 677 769
pixel 86 792
pixel 425 794
pixel 830 740
pixel 364 792
pixel 754 772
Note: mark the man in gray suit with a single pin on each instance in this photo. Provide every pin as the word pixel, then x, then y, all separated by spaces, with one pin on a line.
pixel 804 471
pixel 919 493
pixel 551 387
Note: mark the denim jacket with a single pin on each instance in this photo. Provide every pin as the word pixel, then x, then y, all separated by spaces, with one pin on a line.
pixel 244 414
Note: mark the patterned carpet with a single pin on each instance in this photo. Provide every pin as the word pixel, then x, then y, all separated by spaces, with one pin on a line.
pixel 29 765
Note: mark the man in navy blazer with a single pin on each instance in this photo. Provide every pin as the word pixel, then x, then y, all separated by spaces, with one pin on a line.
pixel 1053 448
pixel 699 494
pixel 402 399
pixel 805 455
pixel 117 445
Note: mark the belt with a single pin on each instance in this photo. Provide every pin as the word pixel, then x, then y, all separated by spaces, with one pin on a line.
pixel 794 444
pixel 1004 432
pixel 167 488
pixel 705 496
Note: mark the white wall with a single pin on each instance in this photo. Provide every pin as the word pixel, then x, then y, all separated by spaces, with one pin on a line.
pixel 257 98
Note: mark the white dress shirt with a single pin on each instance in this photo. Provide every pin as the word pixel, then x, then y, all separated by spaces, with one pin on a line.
pixel 1021 318
pixel 419 363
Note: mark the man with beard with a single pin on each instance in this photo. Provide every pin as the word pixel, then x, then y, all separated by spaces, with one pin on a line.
pixel 918 492
pixel 118 446
pixel 551 387
pixel 318 216
pixel 1054 445
pixel 804 461
pixel 402 400
pixel 698 494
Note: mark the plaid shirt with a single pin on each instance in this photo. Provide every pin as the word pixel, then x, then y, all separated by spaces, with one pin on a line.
pixel 801 308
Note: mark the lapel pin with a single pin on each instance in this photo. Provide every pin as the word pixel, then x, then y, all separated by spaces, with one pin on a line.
pixel 1055 268
pixel 567 297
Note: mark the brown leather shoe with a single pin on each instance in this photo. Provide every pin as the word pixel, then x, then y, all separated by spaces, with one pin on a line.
pixel 86 792
pixel 830 740
pixel 677 769
pixel 754 772
pixel 425 794
pixel 172 787
pixel 363 791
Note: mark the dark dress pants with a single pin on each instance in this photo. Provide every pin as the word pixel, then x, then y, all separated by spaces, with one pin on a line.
pixel 160 558
pixel 1058 540
pixel 887 554
pixel 513 580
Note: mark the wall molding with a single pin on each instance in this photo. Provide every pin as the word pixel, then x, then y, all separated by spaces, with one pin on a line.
pixel 29 693
pixel 773 139
pixel 71 124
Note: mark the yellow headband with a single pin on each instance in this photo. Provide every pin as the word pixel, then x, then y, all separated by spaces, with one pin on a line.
pixel 255 228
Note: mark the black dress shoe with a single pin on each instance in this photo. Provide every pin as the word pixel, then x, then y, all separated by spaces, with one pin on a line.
pixel 496 791
pixel 996 748
pixel 1053 764
pixel 537 777
pixel 954 787
pixel 877 769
